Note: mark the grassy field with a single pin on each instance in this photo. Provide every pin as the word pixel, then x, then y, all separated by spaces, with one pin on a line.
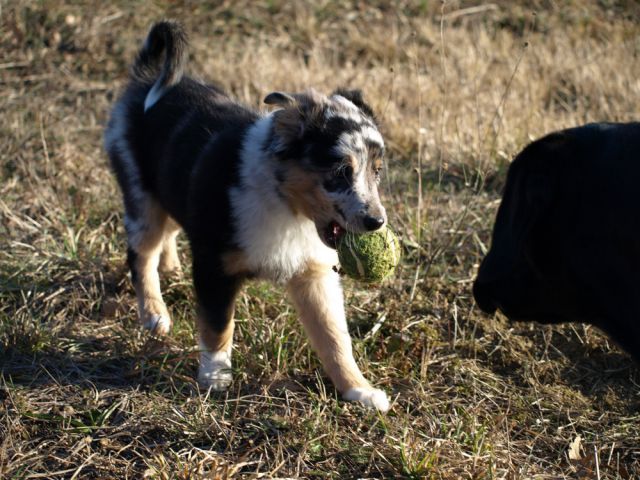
pixel 460 87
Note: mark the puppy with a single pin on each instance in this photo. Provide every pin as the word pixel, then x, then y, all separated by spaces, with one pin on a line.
pixel 258 196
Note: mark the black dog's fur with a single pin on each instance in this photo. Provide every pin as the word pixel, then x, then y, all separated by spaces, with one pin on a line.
pixel 566 241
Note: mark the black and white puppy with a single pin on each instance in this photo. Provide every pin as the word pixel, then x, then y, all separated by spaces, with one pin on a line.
pixel 258 195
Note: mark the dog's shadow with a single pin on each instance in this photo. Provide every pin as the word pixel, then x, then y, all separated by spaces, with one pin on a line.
pixel 600 371
pixel 99 364
pixel 560 359
pixel 157 366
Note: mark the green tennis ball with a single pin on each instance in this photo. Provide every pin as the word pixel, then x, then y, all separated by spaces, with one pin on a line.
pixel 369 257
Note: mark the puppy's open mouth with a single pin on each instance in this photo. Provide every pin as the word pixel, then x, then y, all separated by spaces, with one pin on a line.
pixel 331 234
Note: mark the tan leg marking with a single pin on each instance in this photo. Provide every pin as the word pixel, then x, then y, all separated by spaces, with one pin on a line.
pixel 169 259
pixel 234 262
pixel 146 239
pixel 318 299
pixel 216 341
pixel 215 355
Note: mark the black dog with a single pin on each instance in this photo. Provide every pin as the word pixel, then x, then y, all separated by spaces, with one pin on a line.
pixel 566 242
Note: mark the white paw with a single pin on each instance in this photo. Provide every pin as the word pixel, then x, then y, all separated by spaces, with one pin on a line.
pixel 369 397
pixel 215 370
pixel 158 324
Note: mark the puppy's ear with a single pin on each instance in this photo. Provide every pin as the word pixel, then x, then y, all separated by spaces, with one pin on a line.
pixel 300 110
pixel 279 98
pixel 355 97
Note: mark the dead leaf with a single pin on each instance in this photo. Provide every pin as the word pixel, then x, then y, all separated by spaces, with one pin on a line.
pixel 574 448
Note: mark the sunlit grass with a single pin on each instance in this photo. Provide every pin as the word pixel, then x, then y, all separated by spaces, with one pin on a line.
pixel 459 88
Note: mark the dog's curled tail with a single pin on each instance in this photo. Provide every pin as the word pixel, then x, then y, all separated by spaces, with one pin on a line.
pixel 166 37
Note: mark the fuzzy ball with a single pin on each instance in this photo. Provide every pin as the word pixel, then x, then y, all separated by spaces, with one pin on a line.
pixel 369 257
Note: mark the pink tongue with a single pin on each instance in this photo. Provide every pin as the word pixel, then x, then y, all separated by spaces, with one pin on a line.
pixel 333 233
pixel 337 231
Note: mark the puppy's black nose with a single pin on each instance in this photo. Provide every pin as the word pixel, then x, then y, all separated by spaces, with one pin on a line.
pixel 373 223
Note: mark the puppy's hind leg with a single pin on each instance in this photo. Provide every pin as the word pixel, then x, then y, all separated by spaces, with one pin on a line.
pixel 216 297
pixel 318 299
pixel 169 259
pixel 145 232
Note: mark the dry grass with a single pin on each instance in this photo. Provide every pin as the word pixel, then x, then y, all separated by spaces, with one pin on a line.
pixel 85 394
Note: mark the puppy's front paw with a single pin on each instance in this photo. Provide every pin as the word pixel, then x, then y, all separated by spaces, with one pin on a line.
pixel 215 370
pixel 157 324
pixel 369 397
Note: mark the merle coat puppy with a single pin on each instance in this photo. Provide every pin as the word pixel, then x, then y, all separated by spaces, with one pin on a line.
pixel 258 195
pixel 566 241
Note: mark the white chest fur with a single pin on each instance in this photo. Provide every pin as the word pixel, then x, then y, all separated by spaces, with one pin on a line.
pixel 276 242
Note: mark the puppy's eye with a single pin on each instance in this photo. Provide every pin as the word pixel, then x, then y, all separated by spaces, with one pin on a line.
pixel 377 170
pixel 344 172
pixel 340 179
